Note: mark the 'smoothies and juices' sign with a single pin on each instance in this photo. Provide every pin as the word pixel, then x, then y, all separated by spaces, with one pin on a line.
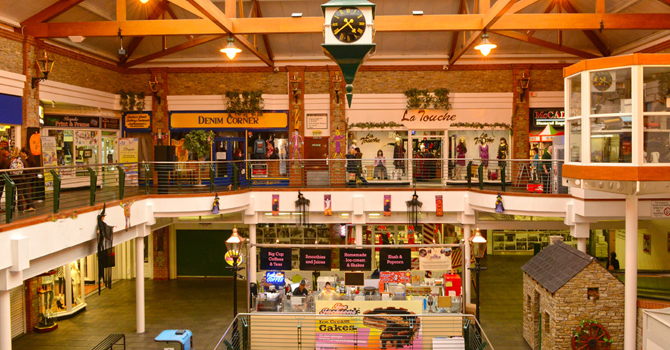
pixel 219 120
pixel 315 259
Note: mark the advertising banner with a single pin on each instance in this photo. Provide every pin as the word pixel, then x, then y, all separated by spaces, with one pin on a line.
pixel 439 206
pixel 129 156
pixel 327 205
pixel 275 205
pixel 387 205
pixel 435 259
pixel 395 277
pixel 355 259
pixel 49 158
pixel 315 259
pixel 372 325
pixel 137 121
pixel 276 259
pixel 395 259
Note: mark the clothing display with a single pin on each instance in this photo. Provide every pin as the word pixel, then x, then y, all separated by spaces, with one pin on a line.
pixel 259 149
pixel 502 151
pixel 484 154
pixel 399 157
pixel 460 154
pixel 380 168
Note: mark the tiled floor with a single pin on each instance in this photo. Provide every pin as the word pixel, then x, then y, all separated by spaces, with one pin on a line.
pixel 205 307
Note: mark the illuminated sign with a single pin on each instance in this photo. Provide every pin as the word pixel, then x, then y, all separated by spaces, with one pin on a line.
pixel 219 120
pixel 274 277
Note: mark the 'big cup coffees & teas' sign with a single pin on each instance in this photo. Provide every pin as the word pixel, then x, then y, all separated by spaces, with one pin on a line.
pixel 277 259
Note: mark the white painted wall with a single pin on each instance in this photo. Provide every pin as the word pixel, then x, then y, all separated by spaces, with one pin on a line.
pixel 659 257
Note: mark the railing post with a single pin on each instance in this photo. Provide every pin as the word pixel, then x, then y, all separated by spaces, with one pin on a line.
pixel 468 173
pixel 10 189
pixel 94 182
pixel 179 178
pixel 245 336
pixel 57 183
pixel 480 175
pixel 211 177
pixel 502 175
pixel 147 177
pixel 466 333
pixel 122 181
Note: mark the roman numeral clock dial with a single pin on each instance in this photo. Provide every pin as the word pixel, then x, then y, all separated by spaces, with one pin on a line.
pixel 348 24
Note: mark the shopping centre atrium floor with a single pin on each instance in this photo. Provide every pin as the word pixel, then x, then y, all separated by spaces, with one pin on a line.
pixel 204 306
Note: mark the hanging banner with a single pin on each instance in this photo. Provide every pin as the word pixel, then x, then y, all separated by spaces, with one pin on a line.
pixel 395 259
pixel 49 158
pixel 275 205
pixel 355 259
pixel 372 325
pixel 276 259
pixel 129 156
pixel 327 205
pixel 434 259
pixel 439 209
pixel 387 205
pixel 315 259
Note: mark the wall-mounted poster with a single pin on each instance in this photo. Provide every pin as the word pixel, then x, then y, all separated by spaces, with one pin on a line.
pixel 646 243
pixel 275 205
pixel 129 149
pixel 439 209
pixel 435 259
pixel 49 158
pixel 387 205
pixel 327 205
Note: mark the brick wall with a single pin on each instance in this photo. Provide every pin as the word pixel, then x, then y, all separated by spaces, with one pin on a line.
pixel 569 305
pixel 32 303
pixel 11 60
pixel 218 83
pixel 388 82
pixel 546 80
pixel 161 254
pixel 316 83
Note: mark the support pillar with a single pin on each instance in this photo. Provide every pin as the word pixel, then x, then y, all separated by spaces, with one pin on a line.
pixel 68 287
pixel 251 261
pixel 581 232
pixel 139 283
pixel 359 234
pixel 5 321
pixel 630 305
pixel 467 232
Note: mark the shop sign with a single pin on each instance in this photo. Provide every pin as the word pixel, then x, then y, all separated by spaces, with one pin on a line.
pixel 428 116
pixel 435 259
pixel 316 121
pixel 213 120
pixel 274 277
pixel 545 116
pixel 395 277
pixel 315 259
pixel 660 209
pixel 395 259
pixel 137 121
pixel 355 260
pixel 276 259
pixel 259 170
pixel 434 119
pixel 66 121
pixel 110 123
pixel 371 325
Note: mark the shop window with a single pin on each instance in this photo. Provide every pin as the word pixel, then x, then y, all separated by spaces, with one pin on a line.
pixel 656 139
pixel 592 293
pixel 575 95
pixel 656 89
pixel 611 91
pixel 529 303
pixel 575 129
pixel 611 140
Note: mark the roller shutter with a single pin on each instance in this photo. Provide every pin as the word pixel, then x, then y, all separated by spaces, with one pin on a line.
pixel 16 301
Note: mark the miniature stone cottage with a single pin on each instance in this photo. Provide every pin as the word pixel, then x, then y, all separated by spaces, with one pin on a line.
pixel 563 287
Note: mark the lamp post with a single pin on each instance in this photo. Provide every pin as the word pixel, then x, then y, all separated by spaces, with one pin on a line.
pixel 478 243
pixel 235 244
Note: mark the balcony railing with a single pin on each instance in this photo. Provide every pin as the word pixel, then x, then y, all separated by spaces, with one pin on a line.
pixel 381 331
pixel 53 189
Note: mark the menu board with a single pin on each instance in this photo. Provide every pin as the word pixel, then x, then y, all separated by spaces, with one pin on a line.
pixel 315 259
pixel 395 259
pixel 355 260
pixel 277 259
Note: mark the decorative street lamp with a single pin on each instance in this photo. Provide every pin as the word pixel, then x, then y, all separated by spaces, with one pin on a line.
pixel 478 244
pixel 235 244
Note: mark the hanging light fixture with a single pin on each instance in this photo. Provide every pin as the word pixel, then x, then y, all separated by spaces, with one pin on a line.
pixel 45 66
pixel 231 50
pixel 144 1
pixel 485 46
pixel 301 207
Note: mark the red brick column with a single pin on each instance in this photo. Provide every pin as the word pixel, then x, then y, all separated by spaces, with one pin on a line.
pixel 296 121
pixel 31 100
pixel 160 115
pixel 161 254
pixel 32 303
pixel 520 120
pixel 338 126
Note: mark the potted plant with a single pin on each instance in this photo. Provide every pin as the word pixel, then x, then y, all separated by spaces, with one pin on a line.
pixel 199 142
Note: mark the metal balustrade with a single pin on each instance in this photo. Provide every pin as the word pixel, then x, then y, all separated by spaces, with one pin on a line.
pixel 54 189
pixel 255 331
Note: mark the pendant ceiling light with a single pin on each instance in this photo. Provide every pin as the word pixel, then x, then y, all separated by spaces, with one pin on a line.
pixel 485 46
pixel 144 1
pixel 231 50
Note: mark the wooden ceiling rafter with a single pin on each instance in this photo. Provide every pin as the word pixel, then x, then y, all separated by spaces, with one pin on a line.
pixel 548 9
pixel 169 51
pixel 159 9
pixel 51 12
pixel 522 4
pixel 590 34
pixel 266 39
pixel 547 44
pixel 454 35
pixel 490 18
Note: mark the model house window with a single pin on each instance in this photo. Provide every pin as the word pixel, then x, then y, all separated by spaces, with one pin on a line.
pixel 592 293
pixel 547 323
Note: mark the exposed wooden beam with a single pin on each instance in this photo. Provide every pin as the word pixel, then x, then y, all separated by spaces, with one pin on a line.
pixel 285 25
pixel 173 15
pixel 188 7
pixel 249 46
pixel 547 44
pixel 484 6
pixel 187 45
pixel 120 10
pixel 230 8
pixel 667 2
pixel 454 35
pixel 158 10
pixel 240 7
pixel 600 6
pixel 51 12
pixel 207 8
pixel 548 9
pixel 266 40
pixel 590 34
pixel 522 4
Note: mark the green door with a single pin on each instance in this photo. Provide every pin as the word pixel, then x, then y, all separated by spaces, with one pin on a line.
pixel 200 253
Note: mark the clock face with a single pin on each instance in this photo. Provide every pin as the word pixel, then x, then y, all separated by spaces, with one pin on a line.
pixel 602 80
pixel 348 24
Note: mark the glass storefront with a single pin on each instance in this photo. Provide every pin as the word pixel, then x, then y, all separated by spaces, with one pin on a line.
pixel 384 154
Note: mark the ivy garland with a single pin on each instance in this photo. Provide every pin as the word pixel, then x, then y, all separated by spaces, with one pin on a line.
pixel 245 102
pixel 425 99
pixel 373 125
pixel 130 101
pixel 477 125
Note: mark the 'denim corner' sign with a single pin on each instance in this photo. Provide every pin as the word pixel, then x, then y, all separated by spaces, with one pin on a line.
pixel 220 120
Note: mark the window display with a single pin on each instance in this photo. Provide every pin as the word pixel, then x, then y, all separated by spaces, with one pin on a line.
pixel 575 140
pixel 524 241
pixel 384 154
pixel 75 147
pixel 61 292
pixel 428 150
pixel 45 295
pixel 272 146
pixel 480 147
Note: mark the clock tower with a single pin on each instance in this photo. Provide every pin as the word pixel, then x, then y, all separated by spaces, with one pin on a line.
pixel 348 32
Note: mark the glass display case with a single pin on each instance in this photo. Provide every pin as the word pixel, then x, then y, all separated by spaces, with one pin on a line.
pixel 46 318
pixel 69 290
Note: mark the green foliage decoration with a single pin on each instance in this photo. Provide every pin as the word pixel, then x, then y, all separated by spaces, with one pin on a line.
pixel 245 102
pixel 199 142
pixel 372 125
pixel 131 101
pixel 426 99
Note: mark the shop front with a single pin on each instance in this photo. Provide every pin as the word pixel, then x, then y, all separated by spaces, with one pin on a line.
pixel 263 138
pixel 432 145
pixel 60 293
pixel 11 119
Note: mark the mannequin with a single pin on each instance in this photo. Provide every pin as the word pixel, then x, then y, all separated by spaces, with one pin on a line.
pixel 502 155
pixel 484 154
pixel 380 166
pixel 296 141
pixel 270 145
pixel 259 148
pixel 76 282
pixel 399 156
pixel 461 150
